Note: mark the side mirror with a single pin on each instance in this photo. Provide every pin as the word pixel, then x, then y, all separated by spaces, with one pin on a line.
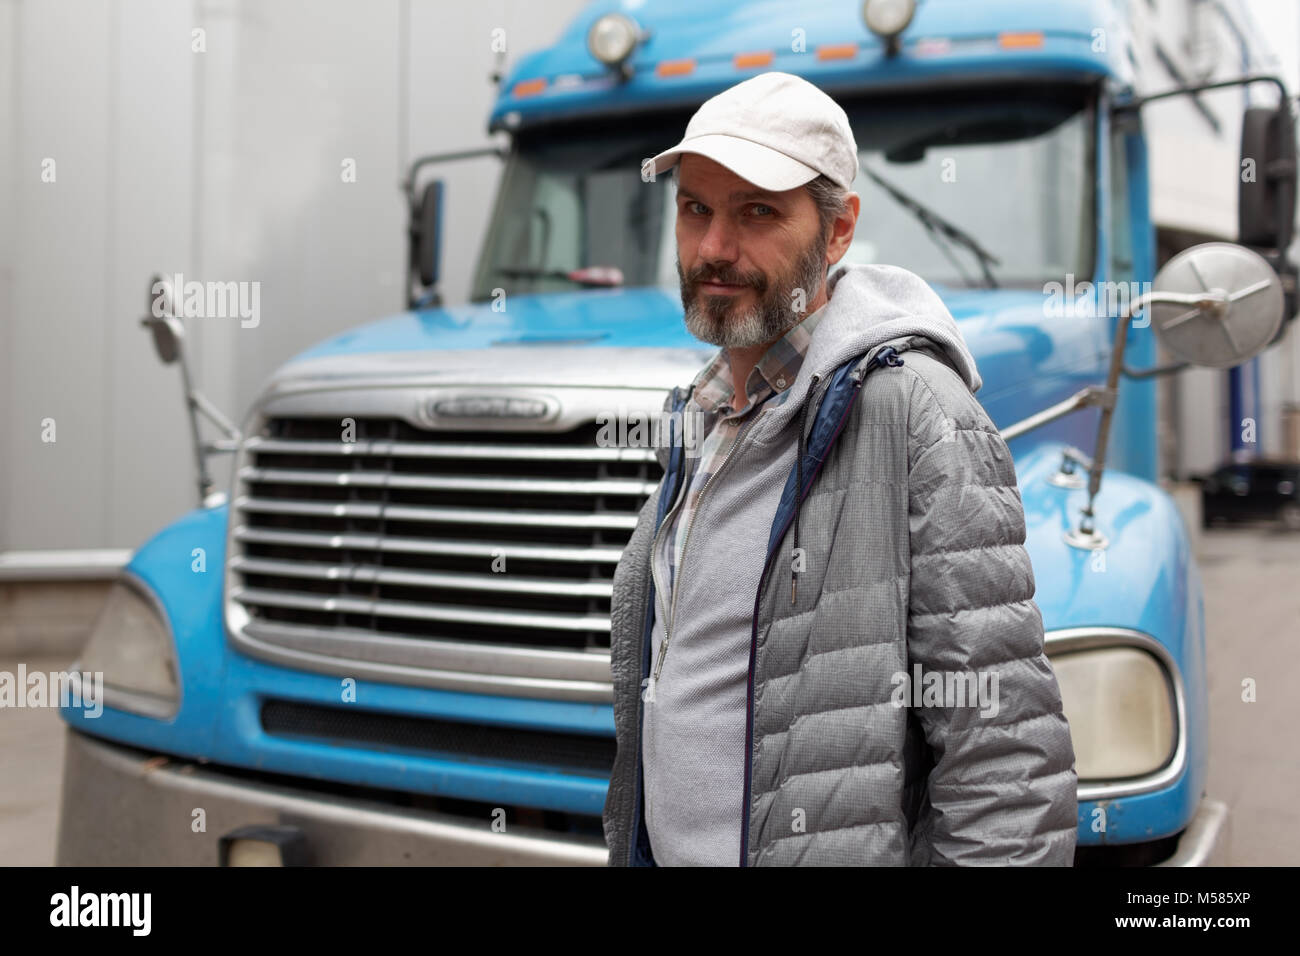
pixel 160 319
pixel 1217 304
pixel 1266 200
pixel 1237 311
pixel 426 239
pixel 168 341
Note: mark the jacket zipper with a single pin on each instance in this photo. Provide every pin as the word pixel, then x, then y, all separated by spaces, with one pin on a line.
pixel 672 611
pixel 682 490
pixel 678 497
pixel 889 359
pixel 654 554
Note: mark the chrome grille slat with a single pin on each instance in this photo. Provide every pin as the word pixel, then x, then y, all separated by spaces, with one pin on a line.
pixel 473 560
pixel 405 650
pixel 402 449
pixel 365 479
pixel 476 549
pixel 344 509
pixel 362 573
pixel 557 519
pixel 430 612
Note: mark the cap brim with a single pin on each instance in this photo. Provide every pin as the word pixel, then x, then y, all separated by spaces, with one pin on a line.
pixel 761 165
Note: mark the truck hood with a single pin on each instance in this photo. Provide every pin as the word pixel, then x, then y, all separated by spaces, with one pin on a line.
pixel 566 338
pixel 551 339
pixel 592 318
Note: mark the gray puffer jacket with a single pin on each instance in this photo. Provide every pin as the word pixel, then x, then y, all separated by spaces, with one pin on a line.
pixel 903 497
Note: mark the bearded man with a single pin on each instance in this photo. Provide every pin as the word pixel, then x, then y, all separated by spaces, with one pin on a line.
pixel 765 674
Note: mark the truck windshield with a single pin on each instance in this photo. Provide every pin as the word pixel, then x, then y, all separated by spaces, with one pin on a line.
pixel 969 190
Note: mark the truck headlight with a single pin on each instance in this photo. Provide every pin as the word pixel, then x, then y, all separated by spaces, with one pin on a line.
pixel 131 645
pixel 612 38
pixel 1121 708
pixel 888 18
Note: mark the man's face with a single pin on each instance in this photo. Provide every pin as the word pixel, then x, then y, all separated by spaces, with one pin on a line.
pixel 742 255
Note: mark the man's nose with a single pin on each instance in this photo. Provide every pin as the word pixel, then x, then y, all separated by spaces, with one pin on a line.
pixel 719 242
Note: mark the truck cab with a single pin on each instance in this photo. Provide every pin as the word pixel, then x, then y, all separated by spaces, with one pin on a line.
pixel 388 642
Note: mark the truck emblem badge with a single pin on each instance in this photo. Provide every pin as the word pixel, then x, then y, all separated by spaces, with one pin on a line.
pixel 487 406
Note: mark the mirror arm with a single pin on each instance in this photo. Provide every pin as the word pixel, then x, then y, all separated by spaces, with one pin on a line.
pixel 430 298
pixel 1072 454
pixel 213 414
pixel 196 405
pixel 1086 536
pixel 408 184
pixel 1084 398
pixel 1138 102
pixel 1107 414
pixel 192 408
pixel 1155 370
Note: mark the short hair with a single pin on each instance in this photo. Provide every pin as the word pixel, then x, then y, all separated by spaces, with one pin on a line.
pixel 830 198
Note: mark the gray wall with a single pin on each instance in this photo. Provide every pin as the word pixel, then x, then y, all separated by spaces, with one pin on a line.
pixel 221 165
pixel 225 165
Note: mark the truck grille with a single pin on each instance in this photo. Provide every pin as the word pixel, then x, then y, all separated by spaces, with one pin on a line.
pixel 490 552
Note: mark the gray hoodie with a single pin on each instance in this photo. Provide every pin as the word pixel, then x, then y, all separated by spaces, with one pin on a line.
pixel 694 729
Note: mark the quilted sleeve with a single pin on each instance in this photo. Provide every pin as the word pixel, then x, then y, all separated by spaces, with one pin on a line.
pixel 1003 788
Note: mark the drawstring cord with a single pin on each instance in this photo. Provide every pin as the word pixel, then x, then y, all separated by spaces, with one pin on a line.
pixel 888 356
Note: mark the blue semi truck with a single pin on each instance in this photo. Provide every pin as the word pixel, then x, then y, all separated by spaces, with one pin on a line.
pixel 326 664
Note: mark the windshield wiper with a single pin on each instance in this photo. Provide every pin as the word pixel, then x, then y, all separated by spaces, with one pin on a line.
pixel 936 225
pixel 593 276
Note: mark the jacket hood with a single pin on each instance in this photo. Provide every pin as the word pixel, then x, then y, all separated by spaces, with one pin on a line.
pixel 870 305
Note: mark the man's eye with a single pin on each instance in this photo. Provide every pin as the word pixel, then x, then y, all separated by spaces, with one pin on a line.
pixel 691 204
pixel 766 212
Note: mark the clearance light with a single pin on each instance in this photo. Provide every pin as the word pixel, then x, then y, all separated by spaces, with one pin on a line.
pixel 612 38
pixel 744 60
pixel 887 19
pixel 529 87
pixel 675 67
pixel 1020 41
pixel 838 51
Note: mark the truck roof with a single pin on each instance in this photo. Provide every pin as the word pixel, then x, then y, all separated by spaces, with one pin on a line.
pixel 699 47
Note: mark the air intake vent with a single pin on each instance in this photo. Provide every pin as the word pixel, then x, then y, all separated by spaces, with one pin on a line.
pixel 578 753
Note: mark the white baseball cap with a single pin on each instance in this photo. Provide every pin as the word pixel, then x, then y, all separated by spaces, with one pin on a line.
pixel 776 130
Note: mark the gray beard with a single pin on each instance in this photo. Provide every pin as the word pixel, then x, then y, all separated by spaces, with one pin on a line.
pixel 709 317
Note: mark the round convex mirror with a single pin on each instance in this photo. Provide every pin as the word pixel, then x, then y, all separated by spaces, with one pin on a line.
pixel 1241 312
pixel 167 330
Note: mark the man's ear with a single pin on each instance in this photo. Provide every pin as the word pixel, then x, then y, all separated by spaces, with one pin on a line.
pixel 843 227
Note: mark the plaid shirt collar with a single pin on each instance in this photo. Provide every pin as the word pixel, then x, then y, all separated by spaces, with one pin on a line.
pixel 775 371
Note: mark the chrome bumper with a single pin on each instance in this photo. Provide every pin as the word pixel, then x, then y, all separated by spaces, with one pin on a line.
pixel 119 809
pixel 1205 841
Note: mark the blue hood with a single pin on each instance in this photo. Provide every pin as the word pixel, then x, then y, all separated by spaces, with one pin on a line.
pixel 1026 360
pixel 650 317
pixel 1003 328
